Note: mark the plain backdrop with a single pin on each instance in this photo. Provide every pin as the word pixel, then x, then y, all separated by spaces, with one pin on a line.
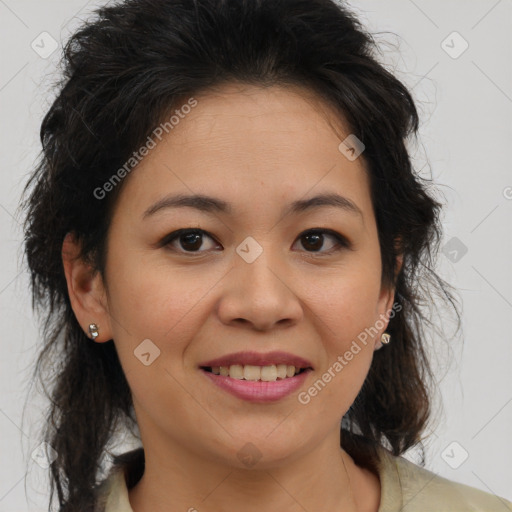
pixel 456 56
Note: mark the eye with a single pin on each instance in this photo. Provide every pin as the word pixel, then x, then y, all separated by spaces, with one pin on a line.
pixel 314 240
pixel 189 240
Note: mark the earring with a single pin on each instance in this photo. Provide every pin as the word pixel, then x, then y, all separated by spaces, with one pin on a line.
pixel 385 338
pixel 93 331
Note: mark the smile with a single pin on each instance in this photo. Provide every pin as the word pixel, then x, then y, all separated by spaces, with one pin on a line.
pixel 256 390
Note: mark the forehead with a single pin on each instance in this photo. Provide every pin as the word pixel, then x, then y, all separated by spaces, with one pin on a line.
pixel 273 115
pixel 278 143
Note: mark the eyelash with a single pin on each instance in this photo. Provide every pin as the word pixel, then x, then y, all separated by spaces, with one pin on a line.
pixel 341 241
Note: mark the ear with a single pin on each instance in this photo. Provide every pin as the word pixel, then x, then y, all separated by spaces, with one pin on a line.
pixel 386 301
pixel 86 291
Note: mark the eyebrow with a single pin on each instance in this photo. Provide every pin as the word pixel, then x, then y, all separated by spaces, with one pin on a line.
pixel 210 204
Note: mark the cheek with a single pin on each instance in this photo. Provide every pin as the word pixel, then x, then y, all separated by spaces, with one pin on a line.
pixel 152 298
pixel 343 309
pixel 165 304
pixel 148 302
pixel 345 301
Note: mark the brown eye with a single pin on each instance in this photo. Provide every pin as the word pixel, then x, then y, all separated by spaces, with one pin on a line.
pixel 191 241
pixel 186 240
pixel 315 240
pixel 321 241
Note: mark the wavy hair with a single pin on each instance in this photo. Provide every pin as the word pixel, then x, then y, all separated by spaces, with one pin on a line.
pixel 123 71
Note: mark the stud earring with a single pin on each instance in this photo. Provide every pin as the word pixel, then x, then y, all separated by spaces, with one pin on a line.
pixel 385 338
pixel 93 331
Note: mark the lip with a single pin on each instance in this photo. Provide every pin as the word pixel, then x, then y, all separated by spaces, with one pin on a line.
pixel 258 391
pixel 254 358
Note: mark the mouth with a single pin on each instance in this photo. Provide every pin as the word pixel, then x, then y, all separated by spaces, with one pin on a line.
pixel 256 389
pixel 249 372
pixel 255 377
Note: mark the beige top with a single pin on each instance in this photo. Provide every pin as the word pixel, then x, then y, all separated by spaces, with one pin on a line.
pixel 405 487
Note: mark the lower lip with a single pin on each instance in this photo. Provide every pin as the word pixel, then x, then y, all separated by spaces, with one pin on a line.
pixel 258 391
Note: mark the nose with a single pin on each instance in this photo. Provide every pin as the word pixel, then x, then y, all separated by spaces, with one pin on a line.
pixel 259 295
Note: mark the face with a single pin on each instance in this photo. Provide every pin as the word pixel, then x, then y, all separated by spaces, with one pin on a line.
pixel 251 273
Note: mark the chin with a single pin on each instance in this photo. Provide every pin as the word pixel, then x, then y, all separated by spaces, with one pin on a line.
pixel 257 450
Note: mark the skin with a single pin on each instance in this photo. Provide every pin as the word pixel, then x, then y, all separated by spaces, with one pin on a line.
pixel 258 149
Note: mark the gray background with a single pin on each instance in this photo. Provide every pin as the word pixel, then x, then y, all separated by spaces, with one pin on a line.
pixel 465 103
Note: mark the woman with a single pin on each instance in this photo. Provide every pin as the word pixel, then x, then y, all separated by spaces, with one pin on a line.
pixel 229 238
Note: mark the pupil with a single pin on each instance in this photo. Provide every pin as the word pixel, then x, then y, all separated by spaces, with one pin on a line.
pixel 317 238
pixel 191 238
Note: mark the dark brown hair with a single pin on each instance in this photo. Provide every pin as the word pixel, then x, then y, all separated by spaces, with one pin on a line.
pixel 123 71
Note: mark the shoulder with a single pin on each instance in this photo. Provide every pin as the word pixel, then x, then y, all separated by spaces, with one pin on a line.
pixel 112 493
pixel 407 487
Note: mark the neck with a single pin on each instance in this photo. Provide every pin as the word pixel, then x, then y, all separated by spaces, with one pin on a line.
pixel 324 478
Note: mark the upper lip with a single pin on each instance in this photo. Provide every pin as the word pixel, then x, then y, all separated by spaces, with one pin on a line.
pixel 257 359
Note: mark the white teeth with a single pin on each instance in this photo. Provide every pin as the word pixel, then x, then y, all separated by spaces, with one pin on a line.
pixel 236 371
pixel 281 371
pixel 251 372
pixel 269 373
